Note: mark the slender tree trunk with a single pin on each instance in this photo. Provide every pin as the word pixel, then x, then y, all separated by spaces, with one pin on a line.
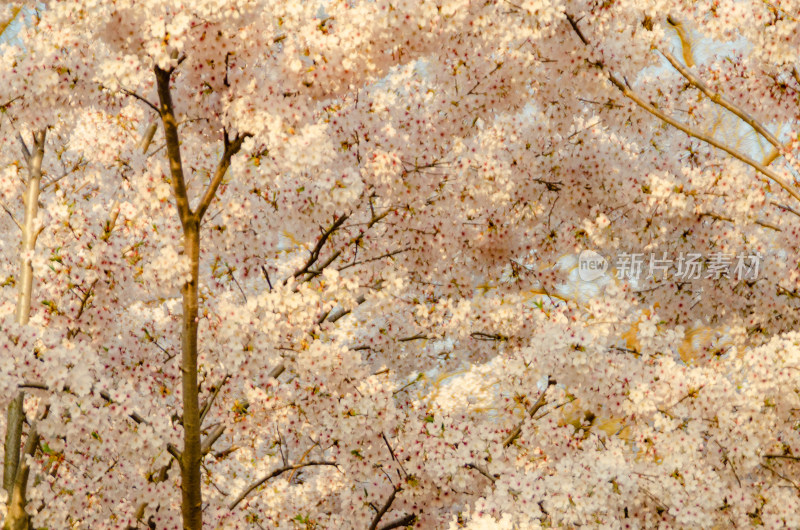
pixel 18 518
pixel 15 475
pixel 30 232
pixel 191 458
pixel 191 505
pixel 13 437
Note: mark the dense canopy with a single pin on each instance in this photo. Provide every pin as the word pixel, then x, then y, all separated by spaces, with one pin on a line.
pixel 276 264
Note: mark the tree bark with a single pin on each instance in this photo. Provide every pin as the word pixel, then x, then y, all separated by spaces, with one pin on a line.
pixel 13 437
pixel 191 505
pixel 30 232
pixel 18 518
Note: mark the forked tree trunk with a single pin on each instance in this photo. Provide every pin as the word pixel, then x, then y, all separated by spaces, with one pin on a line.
pixel 190 459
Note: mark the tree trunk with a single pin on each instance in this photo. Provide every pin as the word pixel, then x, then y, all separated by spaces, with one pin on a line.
pixel 15 477
pixel 191 505
pixel 18 518
pixel 191 458
pixel 13 437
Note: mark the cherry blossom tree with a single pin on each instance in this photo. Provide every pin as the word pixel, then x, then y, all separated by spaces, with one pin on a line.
pixel 304 263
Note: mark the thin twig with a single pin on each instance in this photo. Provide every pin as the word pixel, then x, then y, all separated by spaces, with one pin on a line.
pixel 10 214
pixel 483 471
pixel 514 434
pixel 207 405
pixel 140 98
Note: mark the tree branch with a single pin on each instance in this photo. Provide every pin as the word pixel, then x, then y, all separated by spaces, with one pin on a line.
pixel 212 437
pixel 134 416
pixel 207 405
pixel 15 419
pixel 26 154
pixel 623 87
pixel 400 523
pixel 140 98
pixel 318 247
pixel 147 137
pixel 722 101
pixel 482 471
pixel 231 148
pixel 167 113
pixel 11 214
pixel 376 258
pixel 17 516
pixel 384 509
pixel 175 452
pixel 274 474
pixel 514 434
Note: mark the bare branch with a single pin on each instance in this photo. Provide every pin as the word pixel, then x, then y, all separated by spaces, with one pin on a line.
pixel 483 471
pixel 277 371
pixel 274 474
pixel 400 523
pixel 26 154
pixel 147 137
pixel 705 138
pixel 18 500
pixel 785 207
pixel 35 385
pixel 103 394
pixel 418 336
pixel 480 335
pixel 211 439
pixel 175 452
pixel 15 419
pixel 574 24
pixel 207 405
pixel 140 98
pixel 787 457
pixel 266 276
pixel 338 313
pixel 514 434
pixel 313 273
pixel 383 510
pixel 73 332
pixel 134 416
pixel 231 148
pixel 387 255
pixel 11 214
pixel 318 247
pixel 779 475
pixel 232 274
